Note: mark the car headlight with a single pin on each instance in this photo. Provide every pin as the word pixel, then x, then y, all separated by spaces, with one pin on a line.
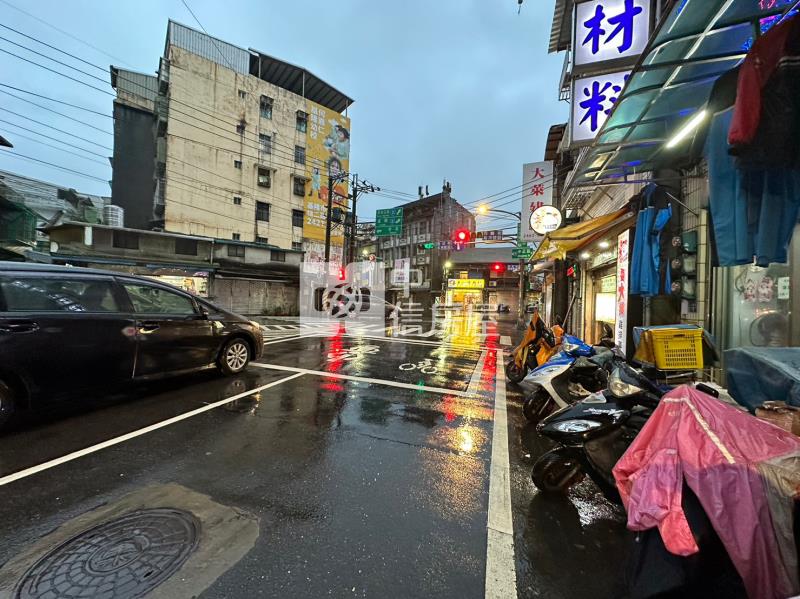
pixel 571 347
pixel 620 388
pixel 576 426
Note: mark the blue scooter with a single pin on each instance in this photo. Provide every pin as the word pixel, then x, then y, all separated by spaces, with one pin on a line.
pixel 574 373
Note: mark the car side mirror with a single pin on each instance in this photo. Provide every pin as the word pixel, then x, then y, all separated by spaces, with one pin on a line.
pixel 204 314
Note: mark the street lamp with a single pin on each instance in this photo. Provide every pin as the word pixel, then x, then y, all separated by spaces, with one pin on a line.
pixel 448 265
pixel 483 210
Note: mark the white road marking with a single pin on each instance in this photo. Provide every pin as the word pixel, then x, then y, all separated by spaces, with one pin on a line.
pixel 291 337
pixel 475 381
pixel 505 340
pixel 132 435
pixel 501 575
pixel 363 379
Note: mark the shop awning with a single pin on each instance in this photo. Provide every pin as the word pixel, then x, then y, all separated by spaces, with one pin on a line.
pixel 574 237
pixel 699 41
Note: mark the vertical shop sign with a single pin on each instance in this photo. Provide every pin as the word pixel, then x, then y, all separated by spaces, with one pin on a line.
pixel 593 98
pixel 621 325
pixel 537 191
pixel 610 30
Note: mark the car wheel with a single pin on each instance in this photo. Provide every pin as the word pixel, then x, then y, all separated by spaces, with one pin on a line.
pixel 8 406
pixel 555 473
pixel 514 373
pixel 235 356
pixel 537 406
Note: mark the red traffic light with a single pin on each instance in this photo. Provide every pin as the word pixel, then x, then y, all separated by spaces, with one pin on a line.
pixel 461 235
pixel 498 267
pixel 341 274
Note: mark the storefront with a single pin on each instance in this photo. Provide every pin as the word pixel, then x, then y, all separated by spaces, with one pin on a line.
pixel 465 292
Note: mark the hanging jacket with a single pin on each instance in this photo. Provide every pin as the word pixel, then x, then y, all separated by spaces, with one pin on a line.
pixel 758 67
pixel 743 471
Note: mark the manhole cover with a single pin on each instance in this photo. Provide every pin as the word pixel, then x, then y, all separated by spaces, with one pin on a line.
pixel 123 558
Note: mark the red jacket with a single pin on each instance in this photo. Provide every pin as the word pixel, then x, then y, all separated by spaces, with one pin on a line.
pixel 759 65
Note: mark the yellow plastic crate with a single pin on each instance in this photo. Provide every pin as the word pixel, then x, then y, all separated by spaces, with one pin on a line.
pixel 677 349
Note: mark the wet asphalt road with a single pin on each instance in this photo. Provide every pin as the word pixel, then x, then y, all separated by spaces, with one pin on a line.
pixel 362 468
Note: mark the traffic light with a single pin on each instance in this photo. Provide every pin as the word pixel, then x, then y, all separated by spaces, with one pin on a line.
pixel 572 271
pixel 461 235
pixel 429 246
pixel 342 274
pixel 498 268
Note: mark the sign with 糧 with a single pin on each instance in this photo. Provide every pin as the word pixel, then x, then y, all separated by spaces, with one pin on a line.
pixel 537 191
pixel 609 31
pixel 593 97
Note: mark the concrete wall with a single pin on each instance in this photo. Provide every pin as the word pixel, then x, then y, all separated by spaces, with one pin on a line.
pixel 203 143
pixel 132 184
pixel 253 297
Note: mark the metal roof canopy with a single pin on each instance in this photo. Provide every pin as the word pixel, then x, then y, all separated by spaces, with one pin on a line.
pixel 297 80
pixel 699 41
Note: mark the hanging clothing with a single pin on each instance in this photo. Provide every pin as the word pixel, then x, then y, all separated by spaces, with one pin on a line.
pixel 779 43
pixel 753 211
pixel 649 273
pixel 743 471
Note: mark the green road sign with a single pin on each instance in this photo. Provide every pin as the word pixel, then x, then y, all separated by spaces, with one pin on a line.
pixel 429 246
pixel 521 253
pixel 389 221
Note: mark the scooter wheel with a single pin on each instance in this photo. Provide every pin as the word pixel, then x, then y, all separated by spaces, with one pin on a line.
pixel 514 373
pixel 554 473
pixel 538 406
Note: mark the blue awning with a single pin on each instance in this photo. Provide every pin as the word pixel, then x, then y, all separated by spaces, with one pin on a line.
pixel 697 42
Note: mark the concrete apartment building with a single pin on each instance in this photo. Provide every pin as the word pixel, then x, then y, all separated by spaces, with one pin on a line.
pixel 230 144
pixel 430 219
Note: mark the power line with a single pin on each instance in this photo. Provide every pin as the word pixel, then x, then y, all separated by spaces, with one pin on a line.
pixel 24 91
pixel 57 129
pixel 66 116
pixel 56 72
pixel 63 168
pixel 44 143
pixel 213 41
pixel 52 138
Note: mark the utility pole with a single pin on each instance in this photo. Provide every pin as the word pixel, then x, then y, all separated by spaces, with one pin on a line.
pixel 352 251
pixel 331 181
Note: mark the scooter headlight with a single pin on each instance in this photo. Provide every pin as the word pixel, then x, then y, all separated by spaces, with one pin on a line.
pixel 620 388
pixel 576 426
pixel 570 347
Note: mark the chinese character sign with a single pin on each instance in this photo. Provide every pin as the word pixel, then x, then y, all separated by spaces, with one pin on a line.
pixel 592 101
pixel 537 191
pixel 621 325
pixel 610 30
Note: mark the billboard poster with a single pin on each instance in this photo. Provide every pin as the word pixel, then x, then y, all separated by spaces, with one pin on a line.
pixel 537 191
pixel 327 152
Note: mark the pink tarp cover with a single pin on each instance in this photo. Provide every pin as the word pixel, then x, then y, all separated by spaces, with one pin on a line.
pixel 721 453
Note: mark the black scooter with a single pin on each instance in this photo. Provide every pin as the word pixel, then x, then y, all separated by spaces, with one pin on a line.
pixel 594 433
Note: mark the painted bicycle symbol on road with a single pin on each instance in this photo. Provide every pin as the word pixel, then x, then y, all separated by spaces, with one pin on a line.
pixel 425 366
pixel 353 353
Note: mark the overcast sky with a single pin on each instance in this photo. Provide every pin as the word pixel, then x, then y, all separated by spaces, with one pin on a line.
pixel 456 89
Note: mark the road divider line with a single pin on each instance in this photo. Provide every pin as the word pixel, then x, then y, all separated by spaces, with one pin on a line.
pixel 475 381
pixel 10 478
pixel 501 575
pixel 363 379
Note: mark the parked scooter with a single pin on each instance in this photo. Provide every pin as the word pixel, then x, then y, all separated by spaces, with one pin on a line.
pixel 537 346
pixel 593 434
pixel 572 374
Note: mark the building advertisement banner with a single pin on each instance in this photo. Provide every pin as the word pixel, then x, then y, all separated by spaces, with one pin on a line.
pixel 593 98
pixel 327 152
pixel 621 325
pixel 537 191
pixel 610 30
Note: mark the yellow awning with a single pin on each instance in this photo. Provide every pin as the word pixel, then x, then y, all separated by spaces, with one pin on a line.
pixel 555 245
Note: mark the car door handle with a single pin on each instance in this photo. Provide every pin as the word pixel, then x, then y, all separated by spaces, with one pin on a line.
pixel 18 326
pixel 148 326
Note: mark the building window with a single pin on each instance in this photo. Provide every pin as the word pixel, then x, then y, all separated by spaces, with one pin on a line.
pixel 236 251
pixel 297 218
pixel 262 211
pixel 242 94
pixel 263 240
pixel 264 177
pixel 186 247
pixel 299 186
pixel 297 245
pixel 264 143
pixel 237 164
pixel 265 107
pixel 237 200
pixel 299 154
pixel 240 128
pixel 278 255
pixel 302 121
pixel 236 237
pixel 125 240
